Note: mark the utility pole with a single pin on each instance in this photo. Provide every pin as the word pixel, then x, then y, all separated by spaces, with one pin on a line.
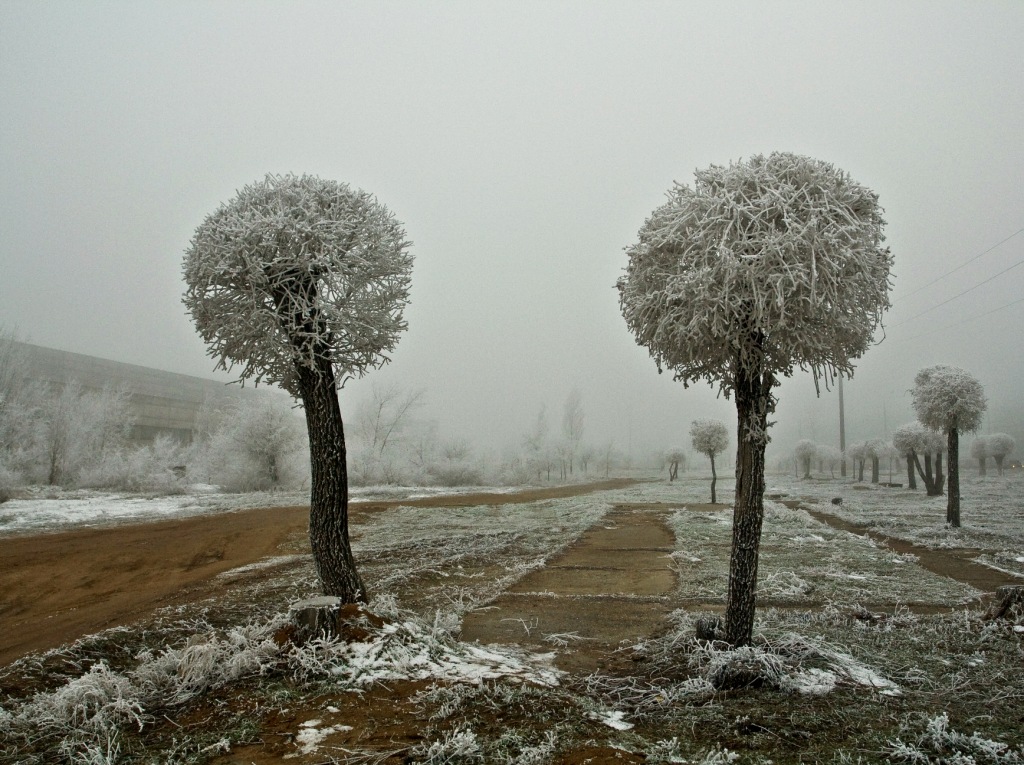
pixel 842 430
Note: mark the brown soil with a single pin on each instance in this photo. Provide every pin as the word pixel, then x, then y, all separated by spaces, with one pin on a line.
pixel 57 587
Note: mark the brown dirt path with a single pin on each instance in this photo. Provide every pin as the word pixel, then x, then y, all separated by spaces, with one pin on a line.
pixel 56 587
pixel 611 585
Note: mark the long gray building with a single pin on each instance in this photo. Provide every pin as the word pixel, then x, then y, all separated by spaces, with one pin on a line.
pixel 162 402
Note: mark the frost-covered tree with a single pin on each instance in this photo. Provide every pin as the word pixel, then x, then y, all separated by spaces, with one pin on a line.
pixel 573 419
pixel 255 449
pixel 980 452
pixel 858 454
pixel 999 446
pixel 709 437
pixel 950 400
pixel 765 266
pixel 912 440
pixel 20 404
pixel 830 456
pixel 302 282
pixel 674 457
pixel 805 451
pixel 77 428
pixel 535 441
pixel 878 449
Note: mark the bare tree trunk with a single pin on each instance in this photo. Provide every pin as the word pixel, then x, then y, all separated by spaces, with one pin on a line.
pixel 753 403
pixel 939 477
pixel 911 478
pixel 714 479
pixel 982 466
pixel 953 492
pixel 999 463
pixel 874 470
pixel 328 504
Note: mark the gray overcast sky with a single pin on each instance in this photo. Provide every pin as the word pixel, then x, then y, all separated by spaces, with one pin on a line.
pixel 523 144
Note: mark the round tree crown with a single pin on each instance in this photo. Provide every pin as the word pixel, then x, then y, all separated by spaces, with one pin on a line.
pixel 948 398
pixel 767 264
pixel 298 272
pixel 709 436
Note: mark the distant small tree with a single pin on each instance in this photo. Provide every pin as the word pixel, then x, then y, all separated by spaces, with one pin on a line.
pixel 830 456
pixel 980 452
pixel 951 400
pixel 805 451
pixel 572 426
pixel 764 266
pixel 858 454
pixel 709 437
pixel 877 450
pixel 911 440
pixel 302 282
pixel 607 456
pixel 1000 445
pixel 536 444
pixel 675 457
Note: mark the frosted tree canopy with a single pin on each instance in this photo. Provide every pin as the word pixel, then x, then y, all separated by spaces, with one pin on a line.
pixel 948 398
pixel 768 263
pixel 295 272
pixel 709 437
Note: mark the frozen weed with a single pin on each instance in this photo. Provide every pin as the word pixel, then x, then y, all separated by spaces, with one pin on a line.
pixel 455 748
pixel 939 744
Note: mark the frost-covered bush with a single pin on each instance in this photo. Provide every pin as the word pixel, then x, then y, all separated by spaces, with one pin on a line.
pixel 156 468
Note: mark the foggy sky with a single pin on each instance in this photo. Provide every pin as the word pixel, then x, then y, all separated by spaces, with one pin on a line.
pixel 522 144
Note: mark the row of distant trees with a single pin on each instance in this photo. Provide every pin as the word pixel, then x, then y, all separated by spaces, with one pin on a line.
pixel 392 444
pixel 948 401
pixel 74 437
pixel 918 446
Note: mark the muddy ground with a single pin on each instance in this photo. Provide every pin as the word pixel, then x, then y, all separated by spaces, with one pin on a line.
pixel 57 587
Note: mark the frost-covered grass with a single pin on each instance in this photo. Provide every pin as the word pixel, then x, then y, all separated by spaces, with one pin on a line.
pixel 803 562
pixel 991 512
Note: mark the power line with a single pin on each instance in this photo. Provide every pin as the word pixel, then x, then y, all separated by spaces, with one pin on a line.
pixel 961 323
pixel 959 294
pixel 963 265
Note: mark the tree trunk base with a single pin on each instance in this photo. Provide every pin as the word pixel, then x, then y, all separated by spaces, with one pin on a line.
pixel 329 618
pixel 1009 599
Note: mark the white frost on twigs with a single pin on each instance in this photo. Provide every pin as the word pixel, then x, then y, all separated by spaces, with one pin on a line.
pixel 770 263
pixel 296 271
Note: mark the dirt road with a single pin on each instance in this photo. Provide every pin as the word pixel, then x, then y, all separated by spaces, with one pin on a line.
pixel 57 587
pixel 611 585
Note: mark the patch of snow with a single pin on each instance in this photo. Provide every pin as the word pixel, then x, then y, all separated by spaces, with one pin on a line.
pixel 811 681
pixel 310 736
pixel 613 719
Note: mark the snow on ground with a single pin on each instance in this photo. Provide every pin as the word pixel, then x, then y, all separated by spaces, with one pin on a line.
pixel 59 510
pixel 46 509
